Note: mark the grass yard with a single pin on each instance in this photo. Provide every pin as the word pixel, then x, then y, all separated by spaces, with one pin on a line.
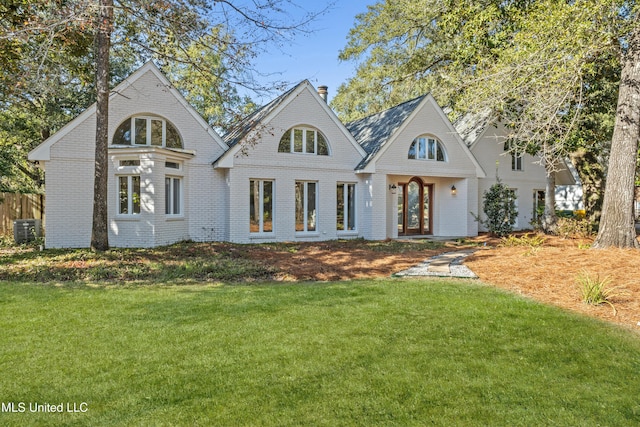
pixel 364 352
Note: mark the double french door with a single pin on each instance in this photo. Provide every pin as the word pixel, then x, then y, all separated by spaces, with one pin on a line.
pixel 415 207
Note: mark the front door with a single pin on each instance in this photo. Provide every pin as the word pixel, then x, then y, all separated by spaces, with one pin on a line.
pixel 414 207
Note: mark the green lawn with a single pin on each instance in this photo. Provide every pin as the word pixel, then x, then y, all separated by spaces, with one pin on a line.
pixel 386 352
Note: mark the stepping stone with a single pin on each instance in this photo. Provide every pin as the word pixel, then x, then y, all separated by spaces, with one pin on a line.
pixel 448 264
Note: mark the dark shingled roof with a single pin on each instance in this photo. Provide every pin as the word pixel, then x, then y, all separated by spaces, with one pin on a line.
pixel 244 126
pixel 471 125
pixel 373 132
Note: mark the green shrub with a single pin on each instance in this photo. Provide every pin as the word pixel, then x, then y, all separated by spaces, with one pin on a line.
pixel 500 208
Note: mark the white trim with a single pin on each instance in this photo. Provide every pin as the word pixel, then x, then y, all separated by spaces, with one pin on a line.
pixel 225 161
pixel 43 151
pixel 480 173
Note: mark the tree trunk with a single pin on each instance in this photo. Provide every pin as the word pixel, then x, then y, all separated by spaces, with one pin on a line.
pixel 99 231
pixel 549 221
pixel 617 227
pixel 590 167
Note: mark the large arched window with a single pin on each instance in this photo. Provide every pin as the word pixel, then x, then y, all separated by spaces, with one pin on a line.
pixel 147 130
pixel 427 148
pixel 304 140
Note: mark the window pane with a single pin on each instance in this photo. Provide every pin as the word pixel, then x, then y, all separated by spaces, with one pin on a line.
pixel 432 149
pixel 400 208
pixel 123 134
pixel 141 131
pixel 167 196
pixel 413 206
pixel 135 196
pixel 172 139
pixel 176 196
pixel 340 205
pixel 412 150
pixel 156 132
pixel 323 148
pixel 311 141
pixel 285 143
pixel 299 206
pixel 311 206
pixel 254 206
pixel 129 162
pixel 297 140
pixel 423 148
pixel 440 152
pixel 425 207
pixel 351 207
pixel 123 194
pixel 267 209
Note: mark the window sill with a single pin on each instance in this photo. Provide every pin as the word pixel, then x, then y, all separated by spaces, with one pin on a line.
pixel 174 218
pixel 120 217
pixel 347 233
pixel 258 236
pixel 307 234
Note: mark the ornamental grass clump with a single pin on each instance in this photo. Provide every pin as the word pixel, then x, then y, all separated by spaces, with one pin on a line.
pixel 533 240
pixel 596 291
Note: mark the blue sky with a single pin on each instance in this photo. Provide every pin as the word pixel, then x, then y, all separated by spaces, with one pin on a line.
pixel 314 56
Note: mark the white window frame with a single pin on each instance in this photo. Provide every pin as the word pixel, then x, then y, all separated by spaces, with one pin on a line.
pixel 353 210
pixel 170 196
pixel 305 208
pixel 260 207
pixel 130 197
pixel 517 163
pixel 429 151
pixel 304 130
pixel 148 131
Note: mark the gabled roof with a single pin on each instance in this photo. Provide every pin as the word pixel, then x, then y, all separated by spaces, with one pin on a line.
pixel 471 126
pixel 374 131
pixel 263 115
pixel 42 151
pixel 247 124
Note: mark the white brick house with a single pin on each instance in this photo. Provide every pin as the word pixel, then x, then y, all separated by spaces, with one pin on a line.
pixel 524 174
pixel 289 172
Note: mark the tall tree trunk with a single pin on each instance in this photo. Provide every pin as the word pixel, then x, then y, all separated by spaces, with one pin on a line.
pixel 617 227
pixel 591 169
pixel 549 218
pixel 99 231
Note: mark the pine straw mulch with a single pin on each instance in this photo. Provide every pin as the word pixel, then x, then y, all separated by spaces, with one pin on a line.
pixel 549 274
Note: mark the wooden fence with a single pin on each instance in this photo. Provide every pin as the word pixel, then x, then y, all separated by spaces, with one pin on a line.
pixel 19 206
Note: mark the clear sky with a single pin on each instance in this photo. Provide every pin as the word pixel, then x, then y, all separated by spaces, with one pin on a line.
pixel 314 56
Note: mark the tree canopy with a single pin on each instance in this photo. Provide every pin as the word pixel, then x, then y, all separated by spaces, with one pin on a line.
pixel 549 70
pixel 207 46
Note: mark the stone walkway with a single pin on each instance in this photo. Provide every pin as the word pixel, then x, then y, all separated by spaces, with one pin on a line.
pixel 448 264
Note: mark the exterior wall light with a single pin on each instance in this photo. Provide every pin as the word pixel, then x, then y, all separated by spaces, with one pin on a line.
pixel 392 187
pixel 454 190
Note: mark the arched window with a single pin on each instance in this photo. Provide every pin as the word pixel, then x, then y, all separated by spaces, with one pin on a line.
pixel 147 130
pixel 427 148
pixel 303 140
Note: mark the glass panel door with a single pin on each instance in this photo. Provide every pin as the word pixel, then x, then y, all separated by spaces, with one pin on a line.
pixel 415 206
pixel 414 214
pixel 401 188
